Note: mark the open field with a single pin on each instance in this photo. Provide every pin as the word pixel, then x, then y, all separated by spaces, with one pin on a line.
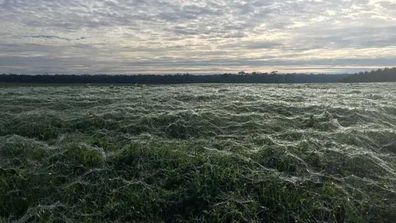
pixel 198 153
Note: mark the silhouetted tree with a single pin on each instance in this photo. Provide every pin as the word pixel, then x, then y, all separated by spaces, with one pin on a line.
pixel 380 75
pixel 173 79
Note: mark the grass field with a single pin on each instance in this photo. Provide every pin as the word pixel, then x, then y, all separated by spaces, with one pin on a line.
pixel 198 153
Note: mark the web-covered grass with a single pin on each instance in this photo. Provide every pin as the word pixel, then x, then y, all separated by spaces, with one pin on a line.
pixel 198 153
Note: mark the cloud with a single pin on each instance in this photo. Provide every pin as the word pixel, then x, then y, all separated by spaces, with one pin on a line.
pixel 49 37
pixel 129 36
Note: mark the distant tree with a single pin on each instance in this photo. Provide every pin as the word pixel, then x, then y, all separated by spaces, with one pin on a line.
pixel 380 75
pixel 241 77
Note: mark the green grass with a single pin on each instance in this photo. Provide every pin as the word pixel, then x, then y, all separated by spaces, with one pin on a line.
pixel 89 154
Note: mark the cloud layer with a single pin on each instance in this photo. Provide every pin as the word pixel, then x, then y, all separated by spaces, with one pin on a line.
pixel 203 36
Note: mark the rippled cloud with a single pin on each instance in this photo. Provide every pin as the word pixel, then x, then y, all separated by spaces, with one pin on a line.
pixel 165 36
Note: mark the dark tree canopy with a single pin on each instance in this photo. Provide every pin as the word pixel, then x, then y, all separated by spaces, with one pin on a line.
pixel 380 75
pixel 173 79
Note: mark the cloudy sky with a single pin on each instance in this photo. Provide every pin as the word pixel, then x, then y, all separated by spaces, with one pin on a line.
pixel 196 36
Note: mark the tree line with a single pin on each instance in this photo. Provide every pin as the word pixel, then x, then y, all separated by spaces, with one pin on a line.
pixel 381 75
pixel 173 79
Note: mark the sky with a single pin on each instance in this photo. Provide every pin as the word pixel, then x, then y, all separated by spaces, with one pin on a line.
pixel 205 36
